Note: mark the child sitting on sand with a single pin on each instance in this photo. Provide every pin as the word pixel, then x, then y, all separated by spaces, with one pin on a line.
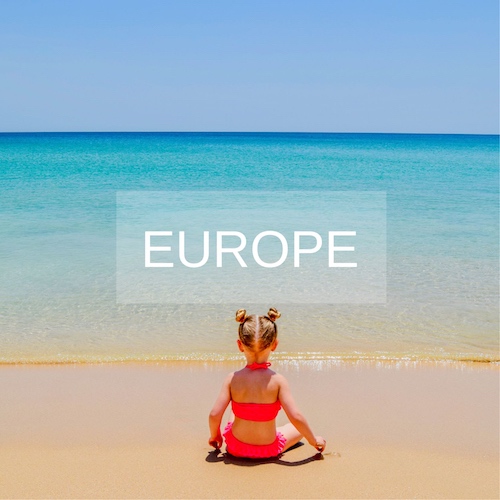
pixel 257 393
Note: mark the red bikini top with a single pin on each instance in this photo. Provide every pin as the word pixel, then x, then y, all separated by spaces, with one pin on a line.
pixel 258 412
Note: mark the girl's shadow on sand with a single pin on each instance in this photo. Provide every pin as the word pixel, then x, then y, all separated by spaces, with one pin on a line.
pixel 218 456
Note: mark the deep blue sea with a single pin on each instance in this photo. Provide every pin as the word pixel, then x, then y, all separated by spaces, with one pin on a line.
pixel 58 246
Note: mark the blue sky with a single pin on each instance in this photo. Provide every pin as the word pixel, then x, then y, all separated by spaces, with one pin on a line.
pixel 422 66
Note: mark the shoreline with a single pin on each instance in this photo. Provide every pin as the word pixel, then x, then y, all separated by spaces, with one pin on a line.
pixel 280 358
pixel 139 430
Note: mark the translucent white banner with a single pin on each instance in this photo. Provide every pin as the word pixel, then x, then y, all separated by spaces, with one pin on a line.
pixel 245 247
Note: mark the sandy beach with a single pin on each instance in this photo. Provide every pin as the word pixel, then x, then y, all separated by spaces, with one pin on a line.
pixel 393 430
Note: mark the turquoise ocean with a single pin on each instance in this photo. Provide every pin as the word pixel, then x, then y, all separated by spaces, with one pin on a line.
pixel 58 297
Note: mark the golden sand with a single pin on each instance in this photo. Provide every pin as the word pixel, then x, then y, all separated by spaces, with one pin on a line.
pixel 393 430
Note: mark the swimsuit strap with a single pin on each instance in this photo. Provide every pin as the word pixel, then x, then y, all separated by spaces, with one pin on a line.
pixel 257 366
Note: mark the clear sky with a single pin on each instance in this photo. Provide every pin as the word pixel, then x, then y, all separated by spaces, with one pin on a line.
pixel 423 66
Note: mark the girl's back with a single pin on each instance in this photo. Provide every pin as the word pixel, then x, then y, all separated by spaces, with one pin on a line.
pixel 254 386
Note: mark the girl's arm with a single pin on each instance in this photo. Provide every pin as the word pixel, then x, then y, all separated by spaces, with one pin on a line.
pixel 296 418
pixel 215 417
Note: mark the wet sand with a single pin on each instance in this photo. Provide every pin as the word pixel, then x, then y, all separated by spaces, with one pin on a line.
pixel 393 430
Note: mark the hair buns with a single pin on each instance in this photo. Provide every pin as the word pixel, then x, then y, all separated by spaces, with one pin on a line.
pixel 273 314
pixel 241 315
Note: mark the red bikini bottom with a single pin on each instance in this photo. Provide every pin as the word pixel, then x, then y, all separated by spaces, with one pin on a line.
pixel 238 449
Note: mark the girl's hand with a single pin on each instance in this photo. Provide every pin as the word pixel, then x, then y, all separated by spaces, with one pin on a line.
pixel 216 441
pixel 320 444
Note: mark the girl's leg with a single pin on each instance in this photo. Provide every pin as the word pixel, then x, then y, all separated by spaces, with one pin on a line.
pixel 291 434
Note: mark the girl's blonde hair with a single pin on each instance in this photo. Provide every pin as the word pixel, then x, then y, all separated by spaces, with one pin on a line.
pixel 257 332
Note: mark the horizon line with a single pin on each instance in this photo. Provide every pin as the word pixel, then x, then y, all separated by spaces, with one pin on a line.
pixel 236 132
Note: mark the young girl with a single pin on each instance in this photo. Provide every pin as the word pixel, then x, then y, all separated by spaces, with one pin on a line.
pixel 257 393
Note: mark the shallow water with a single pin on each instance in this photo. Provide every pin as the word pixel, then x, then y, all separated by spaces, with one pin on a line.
pixel 58 244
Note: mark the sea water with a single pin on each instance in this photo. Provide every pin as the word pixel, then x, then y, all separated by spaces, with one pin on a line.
pixel 58 244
